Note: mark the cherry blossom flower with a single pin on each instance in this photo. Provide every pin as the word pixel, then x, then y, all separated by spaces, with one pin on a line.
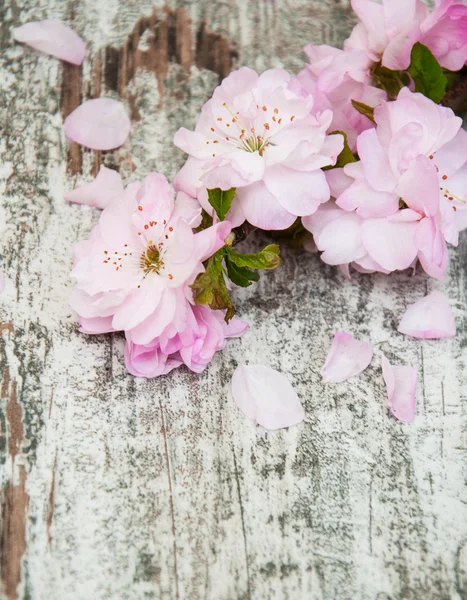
pixel 204 332
pixel 429 318
pixel 405 197
pixel 389 29
pixel 266 397
pixel 133 272
pixel 346 357
pixel 336 77
pixel 258 134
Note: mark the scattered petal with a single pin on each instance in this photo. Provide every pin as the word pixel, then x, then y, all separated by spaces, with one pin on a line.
pixel 429 318
pixel 100 124
pixel 99 192
pixel 346 357
pixel 266 397
pixel 400 384
pixel 52 37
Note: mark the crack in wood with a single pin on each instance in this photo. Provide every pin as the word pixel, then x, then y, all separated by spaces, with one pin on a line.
pixel 15 499
pixel 171 501
pixel 242 517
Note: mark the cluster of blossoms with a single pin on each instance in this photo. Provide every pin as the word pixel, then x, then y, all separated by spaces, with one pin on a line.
pixel 358 151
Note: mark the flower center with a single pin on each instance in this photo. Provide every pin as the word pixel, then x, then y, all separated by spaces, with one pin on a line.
pixel 151 259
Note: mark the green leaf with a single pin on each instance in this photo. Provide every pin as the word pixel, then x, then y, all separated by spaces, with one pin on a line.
pixel 241 276
pixel 268 258
pixel 364 109
pixel 221 201
pixel 206 221
pixel 210 287
pixel 390 81
pixel 346 156
pixel 427 73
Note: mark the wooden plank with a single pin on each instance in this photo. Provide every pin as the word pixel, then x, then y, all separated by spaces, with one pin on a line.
pixel 116 488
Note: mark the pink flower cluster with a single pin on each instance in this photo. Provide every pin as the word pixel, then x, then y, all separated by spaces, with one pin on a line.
pixel 263 135
pixel 405 197
pixel 389 29
pixel 134 272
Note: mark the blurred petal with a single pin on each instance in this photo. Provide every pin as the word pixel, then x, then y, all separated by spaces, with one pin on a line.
pixel 266 396
pixel 52 37
pixel 346 357
pixel 99 192
pixel 400 384
pixel 430 318
pixel 100 124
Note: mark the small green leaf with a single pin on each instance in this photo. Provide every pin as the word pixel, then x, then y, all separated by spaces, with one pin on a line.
pixel 206 221
pixel 221 201
pixel 268 258
pixel 427 73
pixel 241 276
pixel 210 287
pixel 346 156
pixel 390 81
pixel 364 109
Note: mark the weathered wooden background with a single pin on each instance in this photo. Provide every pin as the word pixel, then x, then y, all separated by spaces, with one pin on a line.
pixel 117 488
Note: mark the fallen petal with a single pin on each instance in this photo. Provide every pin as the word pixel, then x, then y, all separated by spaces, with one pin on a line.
pixel 100 124
pixel 346 357
pixel 266 397
pixel 52 37
pixel 99 192
pixel 400 384
pixel 429 318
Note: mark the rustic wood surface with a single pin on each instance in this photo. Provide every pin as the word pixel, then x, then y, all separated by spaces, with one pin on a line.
pixel 117 488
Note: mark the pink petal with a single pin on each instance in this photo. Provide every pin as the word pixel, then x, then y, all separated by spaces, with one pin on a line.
pixel 390 244
pixel 266 396
pixel 430 318
pixel 400 384
pixel 346 357
pixel 100 124
pixel 52 37
pixel 210 240
pixel 99 192
pixel 418 186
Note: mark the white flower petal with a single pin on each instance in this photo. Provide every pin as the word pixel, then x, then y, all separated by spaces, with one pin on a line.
pixel 99 192
pixel 52 37
pixel 100 124
pixel 400 384
pixel 346 357
pixel 266 397
pixel 430 318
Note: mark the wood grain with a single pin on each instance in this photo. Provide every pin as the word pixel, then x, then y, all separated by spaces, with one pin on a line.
pixel 118 488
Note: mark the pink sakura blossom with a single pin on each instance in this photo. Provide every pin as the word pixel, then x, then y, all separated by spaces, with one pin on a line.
pixel 389 29
pixel 134 271
pixel 258 134
pixel 266 397
pixel 204 333
pixel 336 77
pixel 100 124
pixel 346 357
pixel 99 192
pixel 429 318
pixel 52 37
pixel 400 384
pixel 405 197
